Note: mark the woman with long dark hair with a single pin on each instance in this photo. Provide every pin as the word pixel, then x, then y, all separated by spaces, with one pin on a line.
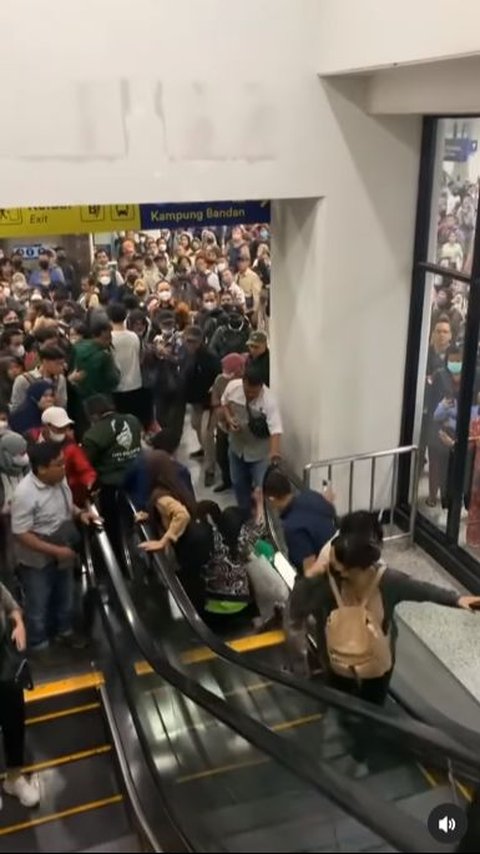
pixel 175 514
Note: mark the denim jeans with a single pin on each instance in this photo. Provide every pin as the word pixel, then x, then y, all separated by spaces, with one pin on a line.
pixel 245 478
pixel 48 602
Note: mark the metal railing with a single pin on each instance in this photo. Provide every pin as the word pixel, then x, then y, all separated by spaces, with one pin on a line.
pixel 395 453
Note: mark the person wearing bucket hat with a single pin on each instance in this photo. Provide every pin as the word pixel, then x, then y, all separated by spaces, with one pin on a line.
pixel 80 474
pixel 259 355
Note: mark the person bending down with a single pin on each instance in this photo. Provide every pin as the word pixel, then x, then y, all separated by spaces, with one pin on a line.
pixel 354 602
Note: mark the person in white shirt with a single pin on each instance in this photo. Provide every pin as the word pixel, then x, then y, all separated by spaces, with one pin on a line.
pixel 255 429
pixel 130 397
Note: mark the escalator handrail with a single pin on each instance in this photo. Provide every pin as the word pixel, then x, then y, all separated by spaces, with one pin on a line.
pixel 146 830
pixel 419 735
pixel 383 819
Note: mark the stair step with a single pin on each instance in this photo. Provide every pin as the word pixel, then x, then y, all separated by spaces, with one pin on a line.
pixel 64 789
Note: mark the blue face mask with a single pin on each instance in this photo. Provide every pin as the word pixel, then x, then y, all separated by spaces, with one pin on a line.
pixel 455 368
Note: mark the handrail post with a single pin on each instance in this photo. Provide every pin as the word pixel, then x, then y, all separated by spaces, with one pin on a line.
pixel 350 486
pixel 393 492
pixel 372 484
pixel 414 495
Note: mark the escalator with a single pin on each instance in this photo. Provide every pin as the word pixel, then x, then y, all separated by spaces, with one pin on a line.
pixel 396 767
pixel 242 770
pixel 70 751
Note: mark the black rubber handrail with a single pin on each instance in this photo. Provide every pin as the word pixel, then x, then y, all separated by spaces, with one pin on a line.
pixel 171 837
pixel 417 735
pixel 382 818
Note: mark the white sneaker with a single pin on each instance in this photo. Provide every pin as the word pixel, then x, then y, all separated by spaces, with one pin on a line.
pixel 26 791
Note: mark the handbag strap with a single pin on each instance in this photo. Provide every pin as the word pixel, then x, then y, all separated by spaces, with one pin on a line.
pixel 335 590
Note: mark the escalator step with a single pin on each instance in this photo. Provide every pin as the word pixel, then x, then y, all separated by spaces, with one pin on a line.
pixel 61 702
pixel 66 735
pixel 63 789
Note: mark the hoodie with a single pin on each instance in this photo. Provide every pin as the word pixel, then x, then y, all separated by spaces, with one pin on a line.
pixel 111 444
pixel 101 374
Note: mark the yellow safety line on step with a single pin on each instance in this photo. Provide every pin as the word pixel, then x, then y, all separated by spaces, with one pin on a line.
pixel 66 760
pixel 58 816
pixel 203 653
pixel 234 766
pixel 221 769
pixel 307 719
pixel 83 681
pixel 64 713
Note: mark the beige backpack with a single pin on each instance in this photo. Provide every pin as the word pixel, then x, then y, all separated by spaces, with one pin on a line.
pixel 356 644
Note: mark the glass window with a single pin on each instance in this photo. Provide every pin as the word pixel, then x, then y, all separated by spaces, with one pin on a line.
pixel 455 197
pixel 446 301
pixel 469 534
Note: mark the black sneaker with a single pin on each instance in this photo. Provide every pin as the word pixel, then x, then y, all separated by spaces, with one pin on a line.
pixel 222 487
pixel 72 640
pixel 197 455
pixel 209 478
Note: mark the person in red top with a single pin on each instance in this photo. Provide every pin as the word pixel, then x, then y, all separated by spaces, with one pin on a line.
pixel 56 427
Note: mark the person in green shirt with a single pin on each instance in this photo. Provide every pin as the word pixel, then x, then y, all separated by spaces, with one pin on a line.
pixel 95 371
pixel 111 444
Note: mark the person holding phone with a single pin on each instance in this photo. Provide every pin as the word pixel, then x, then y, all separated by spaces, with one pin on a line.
pixel 12 704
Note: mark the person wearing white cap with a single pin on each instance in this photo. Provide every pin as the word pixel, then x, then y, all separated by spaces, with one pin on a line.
pixel 56 427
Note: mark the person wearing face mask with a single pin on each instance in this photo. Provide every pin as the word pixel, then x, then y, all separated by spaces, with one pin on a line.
pixel 48 273
pixel 211 315
pixel 11 343
pixel 232 335
pixel 441 422
pixel 165 297
pixel 13 466
pixel 57 427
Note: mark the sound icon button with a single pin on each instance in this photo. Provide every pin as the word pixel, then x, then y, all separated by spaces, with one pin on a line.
pixel 447 823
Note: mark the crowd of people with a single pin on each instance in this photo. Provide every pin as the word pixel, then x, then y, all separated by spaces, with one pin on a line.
pixel 97 373
pixel 455 230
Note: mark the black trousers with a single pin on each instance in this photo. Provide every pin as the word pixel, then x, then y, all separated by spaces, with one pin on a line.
pixel 372 690
pixel 170 414
pixel 221 445
pixel 12 721
pixel 138 402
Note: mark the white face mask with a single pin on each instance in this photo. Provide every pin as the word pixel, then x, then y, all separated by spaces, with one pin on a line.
pixel 104 280
pixel 164 296
pixel 209 306
pixel 20 460
pixel 19 351
pixel 58 437
pixel 3 424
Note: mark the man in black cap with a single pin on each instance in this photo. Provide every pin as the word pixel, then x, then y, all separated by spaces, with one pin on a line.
pixel 259 355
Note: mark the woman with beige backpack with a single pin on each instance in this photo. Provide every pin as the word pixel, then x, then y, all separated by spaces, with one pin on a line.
pixel 353 596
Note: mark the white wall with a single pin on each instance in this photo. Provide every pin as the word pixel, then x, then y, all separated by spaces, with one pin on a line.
pixel 340 314
pixel 356 35
pixel 299 255
pixel 110 100
pixel 156 101
pixel 446 88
